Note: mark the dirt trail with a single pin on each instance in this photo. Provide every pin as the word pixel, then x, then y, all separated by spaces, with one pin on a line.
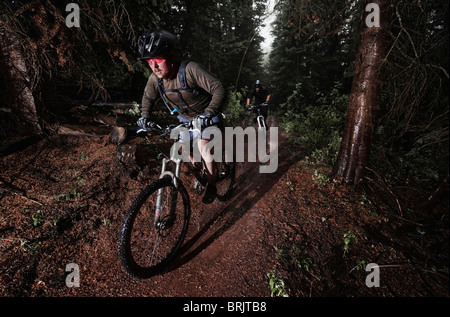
pixel 225 252
pixel 62 201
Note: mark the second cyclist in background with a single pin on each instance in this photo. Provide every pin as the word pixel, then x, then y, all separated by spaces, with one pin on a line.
pixel 261 96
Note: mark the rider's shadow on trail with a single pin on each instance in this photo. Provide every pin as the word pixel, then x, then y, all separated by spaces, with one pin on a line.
pixel 250 186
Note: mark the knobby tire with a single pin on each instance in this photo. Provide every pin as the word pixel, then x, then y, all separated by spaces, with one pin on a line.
pixel 145 250
pixel 226 177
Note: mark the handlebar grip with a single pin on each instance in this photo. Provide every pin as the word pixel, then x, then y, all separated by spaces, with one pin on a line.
pixel 141 130
pixel 149 126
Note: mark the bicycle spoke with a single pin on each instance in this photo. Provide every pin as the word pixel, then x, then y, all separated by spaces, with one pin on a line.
pixel 154 248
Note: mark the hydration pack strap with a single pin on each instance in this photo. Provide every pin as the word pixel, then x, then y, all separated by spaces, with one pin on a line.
pixel 184 86
pixel 161 93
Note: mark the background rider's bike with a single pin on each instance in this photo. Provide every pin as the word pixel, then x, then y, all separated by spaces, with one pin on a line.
pixel 156 223
pixel 259 118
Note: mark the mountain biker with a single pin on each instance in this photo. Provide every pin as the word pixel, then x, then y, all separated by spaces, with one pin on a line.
pixel 200 103
pixel 262 96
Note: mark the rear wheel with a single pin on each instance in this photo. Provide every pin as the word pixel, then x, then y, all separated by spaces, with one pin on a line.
pixel 148 243
pixel 226 173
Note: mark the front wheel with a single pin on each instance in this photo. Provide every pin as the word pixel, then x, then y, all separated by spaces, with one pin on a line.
pixel 154 228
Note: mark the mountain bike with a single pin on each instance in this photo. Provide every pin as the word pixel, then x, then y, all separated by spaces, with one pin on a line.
pixel 156 223
pixel 260 118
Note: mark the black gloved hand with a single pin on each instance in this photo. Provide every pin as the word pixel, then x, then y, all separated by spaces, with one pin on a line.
pixel 142 122
pixel 203 121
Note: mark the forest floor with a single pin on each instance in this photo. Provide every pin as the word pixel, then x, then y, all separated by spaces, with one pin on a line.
pixel 63 199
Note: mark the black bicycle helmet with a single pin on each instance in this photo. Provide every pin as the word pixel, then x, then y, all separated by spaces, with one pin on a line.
pixel 155 43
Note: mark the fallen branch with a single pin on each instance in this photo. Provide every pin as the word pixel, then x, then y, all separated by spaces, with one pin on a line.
pixel 125 105
pixel 79 130
pixel 21 196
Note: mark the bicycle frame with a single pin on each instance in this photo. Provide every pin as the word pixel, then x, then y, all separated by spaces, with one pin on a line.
pixel 143 257
pixel 174 172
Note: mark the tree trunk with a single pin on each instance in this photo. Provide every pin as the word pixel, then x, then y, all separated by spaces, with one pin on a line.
pixel 14 71
pixel 365 96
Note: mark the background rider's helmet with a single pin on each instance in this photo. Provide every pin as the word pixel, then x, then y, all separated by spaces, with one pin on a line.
pixel 258 84
pixel 155 43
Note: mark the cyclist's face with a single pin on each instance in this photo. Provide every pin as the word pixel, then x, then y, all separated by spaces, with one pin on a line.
pixel 159 66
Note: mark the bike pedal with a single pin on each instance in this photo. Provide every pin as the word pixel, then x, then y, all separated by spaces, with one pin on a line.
pixel 199 188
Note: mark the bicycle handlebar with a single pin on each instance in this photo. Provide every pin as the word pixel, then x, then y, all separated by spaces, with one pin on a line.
pixel 165 129
pixel 149 126
pixel 264 104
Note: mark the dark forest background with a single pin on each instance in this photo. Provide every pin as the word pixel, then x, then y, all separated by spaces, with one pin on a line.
pixel 310 71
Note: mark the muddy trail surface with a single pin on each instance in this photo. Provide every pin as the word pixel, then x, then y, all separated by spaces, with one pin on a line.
pixel 294 232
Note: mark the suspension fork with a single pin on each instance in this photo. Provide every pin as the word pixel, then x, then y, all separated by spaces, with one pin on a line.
pixel 260 118
pixel 175 179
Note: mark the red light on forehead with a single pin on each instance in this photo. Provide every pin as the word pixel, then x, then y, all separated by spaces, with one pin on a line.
pixel 155 60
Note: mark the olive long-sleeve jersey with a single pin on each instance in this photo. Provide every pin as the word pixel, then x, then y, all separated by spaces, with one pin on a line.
pixel 190 105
